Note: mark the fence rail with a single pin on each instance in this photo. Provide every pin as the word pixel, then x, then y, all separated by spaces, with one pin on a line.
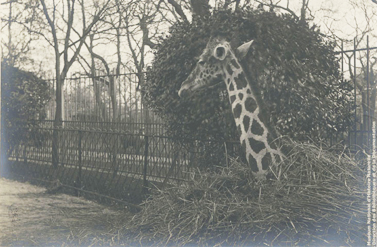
pixel 129 127
pixel 111 161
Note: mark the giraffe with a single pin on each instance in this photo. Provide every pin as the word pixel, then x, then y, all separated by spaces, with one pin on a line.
pixel 217 63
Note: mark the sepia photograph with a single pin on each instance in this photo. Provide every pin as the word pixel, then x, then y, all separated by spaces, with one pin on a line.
pixel 188 123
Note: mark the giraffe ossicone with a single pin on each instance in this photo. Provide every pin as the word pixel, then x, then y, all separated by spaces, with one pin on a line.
pixel 219 62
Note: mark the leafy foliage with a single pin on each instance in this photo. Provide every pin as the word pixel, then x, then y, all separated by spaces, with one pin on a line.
pixel 293 68
pixel 24 96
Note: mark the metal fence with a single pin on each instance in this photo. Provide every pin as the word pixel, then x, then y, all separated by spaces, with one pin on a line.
pixel 112 162
pixel 109 143
pixel 152 128
pixel 356 65
pixel 100 98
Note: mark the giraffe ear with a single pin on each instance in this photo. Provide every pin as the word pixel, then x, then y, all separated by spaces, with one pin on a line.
pixel 242 50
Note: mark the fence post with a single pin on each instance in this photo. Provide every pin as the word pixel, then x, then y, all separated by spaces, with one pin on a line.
pixel 115 154
pixel 145 182
pixel 371 191
pixel 55 147
pixel 173 165
pixel 78 185
pixel 354 84
pixel 24 153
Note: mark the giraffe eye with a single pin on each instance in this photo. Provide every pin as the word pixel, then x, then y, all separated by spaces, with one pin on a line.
pixel 220 52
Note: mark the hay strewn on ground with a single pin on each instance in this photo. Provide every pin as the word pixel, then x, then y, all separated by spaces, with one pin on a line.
pixel 319 199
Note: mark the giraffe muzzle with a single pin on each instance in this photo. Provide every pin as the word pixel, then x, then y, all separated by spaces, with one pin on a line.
pixel 187 87
pixel 183 93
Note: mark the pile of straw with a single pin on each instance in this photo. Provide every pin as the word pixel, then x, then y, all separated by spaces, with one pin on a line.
pixel 318 200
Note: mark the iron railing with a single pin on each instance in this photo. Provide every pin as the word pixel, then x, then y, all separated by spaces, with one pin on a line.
pixel 114 161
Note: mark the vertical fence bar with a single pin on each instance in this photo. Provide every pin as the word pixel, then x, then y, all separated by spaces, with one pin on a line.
pixel 24 152
pixel 77 82
pixel 368 103
pixel 342 65
pixel 354 85
pixel 369 201
pixel 119 101
pixel 371 193
pixel 374 186
pixel 145 182
pixel 78 185
pixel 55 147
pixel 115 154
pixel 62 86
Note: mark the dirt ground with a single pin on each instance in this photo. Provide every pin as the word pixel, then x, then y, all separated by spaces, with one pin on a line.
pixel 31 217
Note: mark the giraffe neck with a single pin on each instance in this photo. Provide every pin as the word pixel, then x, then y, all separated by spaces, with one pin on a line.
pixel 255 138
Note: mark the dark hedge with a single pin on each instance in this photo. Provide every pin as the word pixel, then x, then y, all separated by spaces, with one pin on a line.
pixel 292 66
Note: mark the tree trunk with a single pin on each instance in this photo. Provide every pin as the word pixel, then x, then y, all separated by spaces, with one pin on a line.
pixel 57 121
pixel 146 119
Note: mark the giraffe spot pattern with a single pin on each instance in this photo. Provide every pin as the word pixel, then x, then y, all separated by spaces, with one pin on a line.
pixel 229 69
pixel 248 91
pixel 266 161
pixel 250 104
pixel 231 87
pixel 253 163
pixel 235 64
pixel 257 146
pixel 240 95
pixel 246 123
pixel 239 129
pixel 256 128
pixel 237 111
pixel 243 144
pixel 240 81
pixel 232 98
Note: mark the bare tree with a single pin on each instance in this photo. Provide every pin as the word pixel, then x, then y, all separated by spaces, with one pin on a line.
pixel 56 22
pixel 288 8
pixel 138 18
pixel 17 45
pixel 177 8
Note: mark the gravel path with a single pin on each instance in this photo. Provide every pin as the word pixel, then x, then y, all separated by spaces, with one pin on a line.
pixel 31 217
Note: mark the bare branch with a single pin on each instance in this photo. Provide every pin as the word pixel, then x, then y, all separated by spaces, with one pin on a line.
pixel 178 9
pixel 273 5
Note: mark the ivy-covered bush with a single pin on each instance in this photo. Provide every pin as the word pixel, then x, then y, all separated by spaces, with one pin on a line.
pixel 24 96
pixel 292 66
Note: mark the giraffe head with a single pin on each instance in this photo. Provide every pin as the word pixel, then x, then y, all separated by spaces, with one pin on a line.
pixel 210 66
